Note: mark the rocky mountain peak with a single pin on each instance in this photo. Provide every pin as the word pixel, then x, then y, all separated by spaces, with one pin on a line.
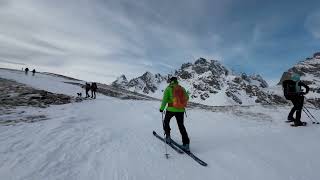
pixel 202 66
pixel 120 82
pixel 147 76
pixel 204 79
pixel 201 61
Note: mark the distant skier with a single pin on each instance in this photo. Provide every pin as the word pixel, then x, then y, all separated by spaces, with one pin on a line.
pixel 292 91
pixel 94 88
pixel 26 71
pixel 87 87
pixel 33 72
pixel 175 98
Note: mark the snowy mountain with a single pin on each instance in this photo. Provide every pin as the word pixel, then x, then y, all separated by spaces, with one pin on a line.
pixel 208 82
pixel 309 69
pixel 121 82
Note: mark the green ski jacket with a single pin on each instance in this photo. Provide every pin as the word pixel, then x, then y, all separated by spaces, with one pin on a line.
pixel 168 98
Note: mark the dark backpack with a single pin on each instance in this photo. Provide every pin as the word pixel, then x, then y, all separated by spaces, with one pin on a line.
pixel 94 86
pixel 290 89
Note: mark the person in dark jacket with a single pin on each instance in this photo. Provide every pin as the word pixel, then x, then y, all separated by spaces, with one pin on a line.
pixel 94 88
pixel 87 87
pixel 26 71
pixel 33 72
pixel 293 92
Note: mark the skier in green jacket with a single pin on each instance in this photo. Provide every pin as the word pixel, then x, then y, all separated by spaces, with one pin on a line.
pixel 175 100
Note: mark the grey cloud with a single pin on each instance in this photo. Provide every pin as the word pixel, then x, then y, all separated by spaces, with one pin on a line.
pixel 313 24
pixel 111 37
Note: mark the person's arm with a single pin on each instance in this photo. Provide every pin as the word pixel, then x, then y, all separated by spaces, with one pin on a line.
pixel 305 86
pixel 164 99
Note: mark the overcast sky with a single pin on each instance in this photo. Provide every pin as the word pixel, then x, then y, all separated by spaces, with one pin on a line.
pixel 97 40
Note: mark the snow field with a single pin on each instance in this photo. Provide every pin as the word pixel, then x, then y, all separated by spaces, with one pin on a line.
pixel 112 139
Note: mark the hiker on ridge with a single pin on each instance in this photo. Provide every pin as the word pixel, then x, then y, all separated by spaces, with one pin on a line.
pixel 87 88
pixel 94 88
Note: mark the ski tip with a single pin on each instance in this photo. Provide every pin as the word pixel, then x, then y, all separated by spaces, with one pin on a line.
pixel 154 133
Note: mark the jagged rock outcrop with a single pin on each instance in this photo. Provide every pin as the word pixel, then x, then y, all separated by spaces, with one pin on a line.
pixel 121 82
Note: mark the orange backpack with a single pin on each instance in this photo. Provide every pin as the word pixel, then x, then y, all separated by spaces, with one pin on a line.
pixel 180 100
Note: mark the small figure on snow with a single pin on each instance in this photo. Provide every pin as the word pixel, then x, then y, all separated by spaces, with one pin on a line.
pixel 292 91
pixel 33 72
pixel 175 100
pixel 94 88
pixel 87 88
pixel 26 71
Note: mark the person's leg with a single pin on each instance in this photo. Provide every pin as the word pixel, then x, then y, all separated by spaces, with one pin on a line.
pixel 180 121
pixel 293 110
pixel 299 106
pixel 166 123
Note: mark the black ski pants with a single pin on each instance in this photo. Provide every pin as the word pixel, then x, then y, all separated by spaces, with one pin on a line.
pixel 93 94
pixel 180 118
pixel 297 102
pixel 87 93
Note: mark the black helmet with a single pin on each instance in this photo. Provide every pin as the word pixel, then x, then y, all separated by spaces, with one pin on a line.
pixel 173 79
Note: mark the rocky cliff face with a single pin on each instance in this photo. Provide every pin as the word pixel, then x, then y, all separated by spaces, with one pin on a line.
pixel 207 81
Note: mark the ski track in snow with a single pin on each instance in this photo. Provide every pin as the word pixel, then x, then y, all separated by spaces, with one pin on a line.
pixel 112 139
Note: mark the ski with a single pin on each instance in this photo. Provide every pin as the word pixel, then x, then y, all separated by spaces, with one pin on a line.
pixel 303 124
pixel 190 154
pixel 171 145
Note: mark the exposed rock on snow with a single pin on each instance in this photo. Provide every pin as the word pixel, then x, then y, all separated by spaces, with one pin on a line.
pixel 16 94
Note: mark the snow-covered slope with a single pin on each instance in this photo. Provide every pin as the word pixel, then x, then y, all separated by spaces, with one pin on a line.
pixel 52 83
pixel 207 81
pixel 109 138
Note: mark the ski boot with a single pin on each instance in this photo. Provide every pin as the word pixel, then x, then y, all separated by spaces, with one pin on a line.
pixel 168 139
pixel 186 147
pixel 290 119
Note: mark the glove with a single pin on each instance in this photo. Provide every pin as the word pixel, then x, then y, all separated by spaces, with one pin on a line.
pixel 161 110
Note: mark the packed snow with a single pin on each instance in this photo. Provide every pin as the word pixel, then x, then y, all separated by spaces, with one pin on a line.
pixel 112 139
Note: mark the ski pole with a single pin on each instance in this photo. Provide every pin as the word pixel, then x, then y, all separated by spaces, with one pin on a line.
pixel 164 137
pixel 316 121
pixel 308 116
